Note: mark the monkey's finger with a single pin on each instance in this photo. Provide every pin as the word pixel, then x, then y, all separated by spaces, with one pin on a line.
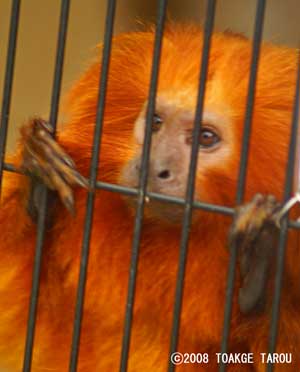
pixel 253 232
pixel 261 210
pixel 43 144
pixel 245 259
pixel 64 191
pixel 52 146
pixel 41 168
pixel 48 150
pixel 33 168
pixel 44 125
pixel 69 174
pixel 252 292
pixel 44 156
pixel 251 216
pixel 34 165
pixel 254 283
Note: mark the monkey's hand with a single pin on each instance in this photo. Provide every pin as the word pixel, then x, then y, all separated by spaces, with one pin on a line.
pixel 47 163
pixel 255 232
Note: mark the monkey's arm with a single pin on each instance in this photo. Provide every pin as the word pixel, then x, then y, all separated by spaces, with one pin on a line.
pixel 255 233
pixel 47 163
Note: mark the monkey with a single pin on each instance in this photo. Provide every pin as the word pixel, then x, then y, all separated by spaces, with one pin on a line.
pixel 62 164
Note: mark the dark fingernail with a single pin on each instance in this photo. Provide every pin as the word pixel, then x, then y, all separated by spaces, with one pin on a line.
pixel 82 181
pixel 69 204
pixel 271 198
pixel 258 198
pixel 69 161
pixel 46 125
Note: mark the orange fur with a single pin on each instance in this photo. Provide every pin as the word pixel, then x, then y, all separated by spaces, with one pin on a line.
pixel 202 314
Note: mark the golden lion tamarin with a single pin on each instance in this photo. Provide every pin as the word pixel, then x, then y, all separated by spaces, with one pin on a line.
pixel 219 152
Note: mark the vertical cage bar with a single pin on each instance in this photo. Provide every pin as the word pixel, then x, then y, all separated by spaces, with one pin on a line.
pixel 284 227
pixel 162 7
pixel 62 33
pixel 259 20
pixel 8 81
pixel 109 24
pixel 188 206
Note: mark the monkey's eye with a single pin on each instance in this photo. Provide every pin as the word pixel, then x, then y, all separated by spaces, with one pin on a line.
pixel 208 138
pixel 156 123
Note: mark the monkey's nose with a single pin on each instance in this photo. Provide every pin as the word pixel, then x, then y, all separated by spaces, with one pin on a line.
pixel 164 174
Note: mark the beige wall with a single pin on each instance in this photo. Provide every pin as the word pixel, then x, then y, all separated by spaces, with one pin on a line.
pixel 36 48
pixel 38 35
pixel 282 18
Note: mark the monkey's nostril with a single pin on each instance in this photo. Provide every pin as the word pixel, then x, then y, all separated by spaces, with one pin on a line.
pixel 164 174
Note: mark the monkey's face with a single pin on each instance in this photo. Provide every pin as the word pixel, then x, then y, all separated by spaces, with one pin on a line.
pixel 172 136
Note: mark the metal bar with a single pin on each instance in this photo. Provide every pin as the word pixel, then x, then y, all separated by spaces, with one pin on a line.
pixel 195 204
pixel 284 229
pixel 209 23
pixel 109 24
pixel 260 12
pixel 35 284
pixel 141 193
pixel 293 224
pixel 117 188
pixel 162 7
pixel 65 5
pixel 12 168
pixel 164 198
pixel 160 197
pixel 8 81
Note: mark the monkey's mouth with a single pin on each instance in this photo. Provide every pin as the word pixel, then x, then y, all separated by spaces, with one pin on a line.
pixel 157 210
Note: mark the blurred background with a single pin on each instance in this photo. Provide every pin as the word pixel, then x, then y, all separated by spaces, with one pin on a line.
pixel 38 35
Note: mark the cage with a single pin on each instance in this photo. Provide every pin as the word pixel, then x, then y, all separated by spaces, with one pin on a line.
pixel 213 16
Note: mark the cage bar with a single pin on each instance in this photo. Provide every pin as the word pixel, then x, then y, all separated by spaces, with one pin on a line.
pixel 65 5
pixel 8 81
pixel 284 226
pixel 259 21
pixel 188 202
pixel 131 191
pixel 188 205
pixel 109 24
pixel 161 16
